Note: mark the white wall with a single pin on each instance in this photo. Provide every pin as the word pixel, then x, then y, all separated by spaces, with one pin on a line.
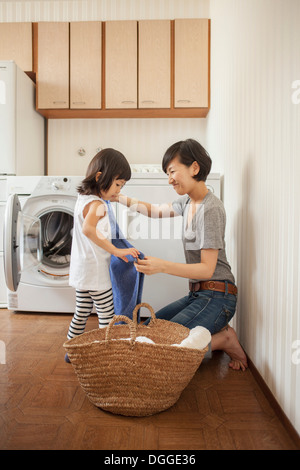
pixel 254 128
pixel 253 138
pixel 140 140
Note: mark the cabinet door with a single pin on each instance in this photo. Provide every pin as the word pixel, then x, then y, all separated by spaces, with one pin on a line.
pixel 85 64
pixel 16 44
pixel 191 63
pixel 53 65
pixel 121 64
pixel 154 64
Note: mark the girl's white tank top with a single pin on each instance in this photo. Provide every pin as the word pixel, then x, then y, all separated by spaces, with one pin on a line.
pixel 89 265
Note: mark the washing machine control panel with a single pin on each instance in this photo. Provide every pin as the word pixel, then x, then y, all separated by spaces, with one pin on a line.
pixel 57 185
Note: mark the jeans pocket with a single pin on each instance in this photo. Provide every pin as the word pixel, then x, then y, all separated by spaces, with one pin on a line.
pixel 223 318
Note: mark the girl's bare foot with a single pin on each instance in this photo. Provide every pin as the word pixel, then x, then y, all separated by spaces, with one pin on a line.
pixel 227 341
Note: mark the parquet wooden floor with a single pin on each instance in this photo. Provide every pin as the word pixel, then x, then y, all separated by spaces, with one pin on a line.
pixel 42 405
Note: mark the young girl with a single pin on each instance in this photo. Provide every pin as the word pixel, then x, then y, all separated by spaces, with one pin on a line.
pixel 91 246
pixel 212 297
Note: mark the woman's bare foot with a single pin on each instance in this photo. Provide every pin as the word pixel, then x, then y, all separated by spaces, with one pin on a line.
pixel 226 340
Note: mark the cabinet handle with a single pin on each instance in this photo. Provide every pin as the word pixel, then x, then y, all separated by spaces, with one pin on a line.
pixel 183 101
pixel 148 101
pixel 78 102
pixel 59 102
pixel 128 102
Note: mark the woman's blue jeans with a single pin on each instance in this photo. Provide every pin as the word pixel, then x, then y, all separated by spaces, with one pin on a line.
pixel 207 308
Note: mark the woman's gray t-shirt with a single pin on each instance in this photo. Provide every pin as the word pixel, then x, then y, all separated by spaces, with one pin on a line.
pixel 206 231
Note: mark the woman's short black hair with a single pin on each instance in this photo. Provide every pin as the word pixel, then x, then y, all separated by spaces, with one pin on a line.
pixel 112 164
pixel 189 151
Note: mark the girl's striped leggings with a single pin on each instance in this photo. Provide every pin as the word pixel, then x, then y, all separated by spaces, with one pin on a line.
pixel 104 304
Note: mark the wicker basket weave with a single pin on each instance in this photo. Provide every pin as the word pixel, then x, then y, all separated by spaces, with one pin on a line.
pixel 134 378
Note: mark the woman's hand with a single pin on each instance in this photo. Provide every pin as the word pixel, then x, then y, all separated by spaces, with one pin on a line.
pixel 150 265
pixel 122 253
pixel 203 270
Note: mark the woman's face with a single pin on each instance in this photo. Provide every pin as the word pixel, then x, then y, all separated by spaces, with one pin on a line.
pixel 181 176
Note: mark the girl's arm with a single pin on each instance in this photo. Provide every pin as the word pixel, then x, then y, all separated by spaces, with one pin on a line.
pixel 92 214
pixel 148 209
pixel 203 270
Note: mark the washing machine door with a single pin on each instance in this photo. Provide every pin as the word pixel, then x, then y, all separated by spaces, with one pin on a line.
pixel 22 242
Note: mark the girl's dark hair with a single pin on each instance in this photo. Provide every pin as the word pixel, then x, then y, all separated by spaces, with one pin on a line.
pixel 189 151
pixel 112 164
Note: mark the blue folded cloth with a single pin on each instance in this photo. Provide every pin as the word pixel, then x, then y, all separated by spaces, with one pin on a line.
pixel 127 282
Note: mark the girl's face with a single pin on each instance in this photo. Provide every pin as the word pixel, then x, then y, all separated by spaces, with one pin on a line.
pixel 114 190
pixel 181 176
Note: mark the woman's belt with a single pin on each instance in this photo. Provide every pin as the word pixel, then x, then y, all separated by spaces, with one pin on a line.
pixel 217 286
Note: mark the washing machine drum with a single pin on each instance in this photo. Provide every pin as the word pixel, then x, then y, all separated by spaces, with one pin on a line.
pixel 56 230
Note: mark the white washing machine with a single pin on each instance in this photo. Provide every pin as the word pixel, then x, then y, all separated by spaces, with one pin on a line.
pixel 37 243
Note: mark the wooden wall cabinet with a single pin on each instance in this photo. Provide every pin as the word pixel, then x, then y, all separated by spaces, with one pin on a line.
pixel 137 64
pixel 16 44
pixel 85 64
pixel 52 73
pixel 191 74
pixel 120 64
pixel 154 73
pixel 123 69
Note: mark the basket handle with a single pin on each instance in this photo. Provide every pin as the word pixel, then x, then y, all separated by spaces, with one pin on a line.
pixel 127 320
pixel 135 311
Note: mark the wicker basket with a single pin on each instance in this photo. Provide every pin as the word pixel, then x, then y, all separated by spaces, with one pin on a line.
pixel 129 377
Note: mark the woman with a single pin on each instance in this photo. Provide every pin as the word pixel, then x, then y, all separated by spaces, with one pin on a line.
pixel 212 299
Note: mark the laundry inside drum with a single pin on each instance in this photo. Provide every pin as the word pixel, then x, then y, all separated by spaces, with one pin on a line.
pixel 57 228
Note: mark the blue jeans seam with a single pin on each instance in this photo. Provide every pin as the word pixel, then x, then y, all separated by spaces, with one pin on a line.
pixel 198 313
